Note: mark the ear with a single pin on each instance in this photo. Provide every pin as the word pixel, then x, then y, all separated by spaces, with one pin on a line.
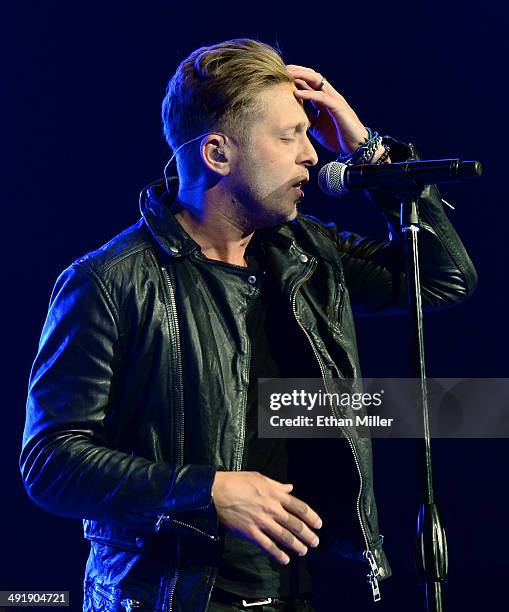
pixel 214 154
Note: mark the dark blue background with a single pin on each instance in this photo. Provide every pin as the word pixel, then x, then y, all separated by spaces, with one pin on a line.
pixel 81 87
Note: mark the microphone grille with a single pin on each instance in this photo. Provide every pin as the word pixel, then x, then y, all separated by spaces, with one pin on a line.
pixel 331 179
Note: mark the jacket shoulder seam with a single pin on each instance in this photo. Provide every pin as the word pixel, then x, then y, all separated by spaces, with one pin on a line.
pixel 146 246
pixel 91 258
pixel 104 291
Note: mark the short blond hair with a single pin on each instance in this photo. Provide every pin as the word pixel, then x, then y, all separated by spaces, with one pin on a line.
pixel 216 88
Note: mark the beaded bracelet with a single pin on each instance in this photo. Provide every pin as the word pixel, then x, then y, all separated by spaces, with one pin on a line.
pixel 371 149
pixel 365 152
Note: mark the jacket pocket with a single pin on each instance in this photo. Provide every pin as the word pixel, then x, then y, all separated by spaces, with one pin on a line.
pixel 119 537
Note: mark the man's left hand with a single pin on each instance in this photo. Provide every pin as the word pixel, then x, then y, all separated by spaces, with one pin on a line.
pixel 335 124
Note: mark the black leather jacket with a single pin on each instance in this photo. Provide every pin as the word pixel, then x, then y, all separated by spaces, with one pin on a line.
pixel 106 422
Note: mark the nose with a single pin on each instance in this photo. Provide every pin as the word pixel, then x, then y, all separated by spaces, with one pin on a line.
pixel 308 155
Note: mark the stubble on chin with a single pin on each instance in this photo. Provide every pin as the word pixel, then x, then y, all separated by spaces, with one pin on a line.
pixel 256 210
pixel 271 216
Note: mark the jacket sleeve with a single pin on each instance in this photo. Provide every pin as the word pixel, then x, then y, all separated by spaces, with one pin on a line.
pixel 375 270
pixel 67 465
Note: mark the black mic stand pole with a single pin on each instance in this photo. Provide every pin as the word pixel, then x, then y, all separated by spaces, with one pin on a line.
pixel 431 540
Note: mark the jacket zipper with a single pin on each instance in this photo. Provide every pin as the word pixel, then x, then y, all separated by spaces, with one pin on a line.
pixel 173 322
pixel 237 464
pixel 166 518
pixel 175 578
pixel 373 575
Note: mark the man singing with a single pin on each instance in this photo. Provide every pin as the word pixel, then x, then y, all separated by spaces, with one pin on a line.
pixel 141 416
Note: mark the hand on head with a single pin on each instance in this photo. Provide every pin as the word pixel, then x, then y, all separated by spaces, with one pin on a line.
pixel 334 124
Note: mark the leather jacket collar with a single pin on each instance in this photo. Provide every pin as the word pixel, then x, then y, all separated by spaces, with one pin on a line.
pixel 157 209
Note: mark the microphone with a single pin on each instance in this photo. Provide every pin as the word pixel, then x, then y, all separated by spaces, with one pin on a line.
pixel 335 178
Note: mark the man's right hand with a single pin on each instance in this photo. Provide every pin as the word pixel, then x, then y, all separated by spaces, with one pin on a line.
pixel 263 511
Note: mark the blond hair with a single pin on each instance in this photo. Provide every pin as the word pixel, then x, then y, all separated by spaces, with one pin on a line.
pixel 216 88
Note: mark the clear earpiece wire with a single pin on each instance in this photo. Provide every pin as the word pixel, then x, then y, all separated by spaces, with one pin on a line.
pixel 165 171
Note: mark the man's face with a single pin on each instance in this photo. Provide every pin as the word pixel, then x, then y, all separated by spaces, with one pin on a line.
pixel 265 173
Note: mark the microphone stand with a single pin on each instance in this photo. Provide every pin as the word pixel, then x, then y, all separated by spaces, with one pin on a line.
pixel 431 540
pixel 401 179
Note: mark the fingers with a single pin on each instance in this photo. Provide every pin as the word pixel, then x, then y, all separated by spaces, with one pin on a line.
pixel 291 67
pixel 283 536
pixel 300 509
pixel 289 532
pixel 297 507
pixel 263 510
pixel 296 69
pixel 299 528
pixel 302 84
pixel 319 98
pixel 285 485
pixel 334 104
pixel 270 547
pixel 311 77
pixel 288 519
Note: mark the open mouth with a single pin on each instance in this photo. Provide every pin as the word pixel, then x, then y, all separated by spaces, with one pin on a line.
pixel 299 185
